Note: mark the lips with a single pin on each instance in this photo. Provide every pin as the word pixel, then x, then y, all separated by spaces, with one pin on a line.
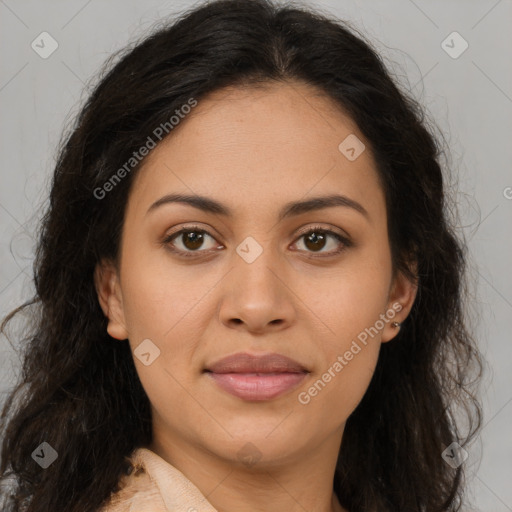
pixel 256 378
pixel 247 363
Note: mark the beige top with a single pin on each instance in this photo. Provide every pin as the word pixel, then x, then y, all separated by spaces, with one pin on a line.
pixel 154 485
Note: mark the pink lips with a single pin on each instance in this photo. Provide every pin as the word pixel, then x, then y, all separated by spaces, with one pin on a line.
pixel 257 377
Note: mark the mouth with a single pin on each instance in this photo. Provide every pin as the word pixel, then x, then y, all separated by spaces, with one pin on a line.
pixel 256 378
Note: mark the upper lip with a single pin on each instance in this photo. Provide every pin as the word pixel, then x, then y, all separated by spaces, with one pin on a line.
pixel 248 363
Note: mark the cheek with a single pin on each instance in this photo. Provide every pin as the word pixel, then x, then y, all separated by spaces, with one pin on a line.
pixel 333 395
pixel 353 304
pixel 350 302
pixel 162 305
pixel 159 297
pixel 347 358
pixel 167 304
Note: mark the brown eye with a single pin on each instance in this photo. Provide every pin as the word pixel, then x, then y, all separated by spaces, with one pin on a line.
pixel 317 238
pixel 189 240
pixel 192 239
pixel 315 241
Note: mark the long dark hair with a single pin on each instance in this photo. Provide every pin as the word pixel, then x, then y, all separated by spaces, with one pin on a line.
pixel 79 390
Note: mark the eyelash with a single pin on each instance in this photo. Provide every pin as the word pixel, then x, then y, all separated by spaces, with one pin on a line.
pixel 315 229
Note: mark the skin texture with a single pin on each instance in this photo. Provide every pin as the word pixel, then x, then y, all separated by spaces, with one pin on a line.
pixel 254 150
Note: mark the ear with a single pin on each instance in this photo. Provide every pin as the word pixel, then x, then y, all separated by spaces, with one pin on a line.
pixel 401 298
pixel 106 281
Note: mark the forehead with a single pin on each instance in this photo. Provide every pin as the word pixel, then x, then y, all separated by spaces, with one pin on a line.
pixel 268 144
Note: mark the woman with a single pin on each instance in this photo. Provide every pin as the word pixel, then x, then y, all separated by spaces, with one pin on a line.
pixel 248 292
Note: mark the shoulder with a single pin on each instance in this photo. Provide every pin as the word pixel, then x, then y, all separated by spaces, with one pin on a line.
pixel 138 492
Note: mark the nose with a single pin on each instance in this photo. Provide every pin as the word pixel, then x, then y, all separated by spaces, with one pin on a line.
pixel 256 297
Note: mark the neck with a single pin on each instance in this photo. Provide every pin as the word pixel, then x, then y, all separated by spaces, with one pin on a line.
pixel 304 483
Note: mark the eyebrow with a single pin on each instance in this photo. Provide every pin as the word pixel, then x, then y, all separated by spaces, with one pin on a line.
pixel 291 209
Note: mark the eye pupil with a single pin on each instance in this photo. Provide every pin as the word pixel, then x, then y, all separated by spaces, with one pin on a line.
pixel 193 237
pixel 314 238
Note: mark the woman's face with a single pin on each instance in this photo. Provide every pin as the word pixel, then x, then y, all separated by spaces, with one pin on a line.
pixel 252 281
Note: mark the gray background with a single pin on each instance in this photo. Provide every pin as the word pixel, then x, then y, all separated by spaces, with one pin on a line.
pixel 470 98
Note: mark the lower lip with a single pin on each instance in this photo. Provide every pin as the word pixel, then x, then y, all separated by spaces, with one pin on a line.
pixel 257 386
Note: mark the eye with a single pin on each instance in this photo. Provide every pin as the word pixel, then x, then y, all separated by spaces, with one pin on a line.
pixel 316 238
pixel 192 239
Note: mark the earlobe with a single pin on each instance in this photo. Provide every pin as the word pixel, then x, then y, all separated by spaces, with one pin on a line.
pixel 401 299
pixel 106 282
